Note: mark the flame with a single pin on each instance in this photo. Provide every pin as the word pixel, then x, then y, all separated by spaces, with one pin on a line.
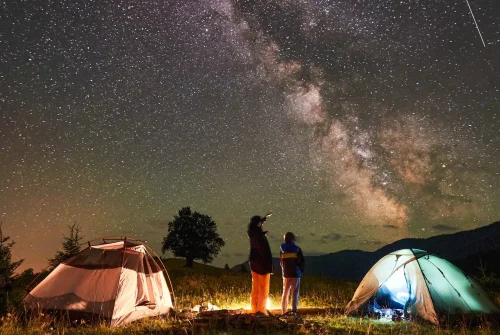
pixel 269 305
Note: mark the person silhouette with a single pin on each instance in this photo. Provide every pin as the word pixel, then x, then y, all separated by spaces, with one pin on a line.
pixel 261 263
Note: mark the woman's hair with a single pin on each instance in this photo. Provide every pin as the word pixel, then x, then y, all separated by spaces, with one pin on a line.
pixel 254 222
pixel 289 237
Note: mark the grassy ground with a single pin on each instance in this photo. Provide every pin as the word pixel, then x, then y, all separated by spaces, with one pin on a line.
pixel 232 291
pixel 335 324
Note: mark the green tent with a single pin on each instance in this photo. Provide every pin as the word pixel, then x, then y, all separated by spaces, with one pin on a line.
pixel 423 285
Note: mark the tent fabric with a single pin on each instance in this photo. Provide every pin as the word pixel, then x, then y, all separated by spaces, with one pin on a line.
pixel 419 299
pixel 423 284
pixel 115 282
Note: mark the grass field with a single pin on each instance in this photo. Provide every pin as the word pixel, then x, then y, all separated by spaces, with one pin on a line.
pixel 229 290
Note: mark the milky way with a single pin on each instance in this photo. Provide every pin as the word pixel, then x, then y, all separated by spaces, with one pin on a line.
pixel 357 122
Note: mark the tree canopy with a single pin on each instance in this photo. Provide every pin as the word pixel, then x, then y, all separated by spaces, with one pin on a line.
pixel 7 267
pixel 70 246
pixel 193 236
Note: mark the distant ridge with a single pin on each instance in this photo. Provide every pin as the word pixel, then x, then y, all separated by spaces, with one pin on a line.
pixel 468 249
pixel 452 246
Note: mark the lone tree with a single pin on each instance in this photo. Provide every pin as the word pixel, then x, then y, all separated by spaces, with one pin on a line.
pixel 70 246
pixel 193 236
pixel 7 268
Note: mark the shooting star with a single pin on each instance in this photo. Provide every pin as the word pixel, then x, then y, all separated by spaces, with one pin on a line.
pixel 477 27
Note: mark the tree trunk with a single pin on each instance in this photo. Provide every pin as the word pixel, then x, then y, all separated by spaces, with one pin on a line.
pixel 189 262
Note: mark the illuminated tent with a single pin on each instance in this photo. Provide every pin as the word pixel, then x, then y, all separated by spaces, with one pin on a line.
pixel 116 282
pixel 423 285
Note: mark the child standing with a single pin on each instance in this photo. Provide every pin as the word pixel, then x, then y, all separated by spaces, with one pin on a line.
pixel 292 263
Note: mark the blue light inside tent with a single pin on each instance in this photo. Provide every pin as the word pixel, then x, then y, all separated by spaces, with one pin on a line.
pixel 394 293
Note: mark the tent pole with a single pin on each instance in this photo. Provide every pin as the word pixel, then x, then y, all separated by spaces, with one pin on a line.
pixel 118 284
pixel 149 249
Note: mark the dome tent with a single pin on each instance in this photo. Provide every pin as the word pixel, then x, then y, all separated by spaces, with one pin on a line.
pixel 422 284
pixel 116 282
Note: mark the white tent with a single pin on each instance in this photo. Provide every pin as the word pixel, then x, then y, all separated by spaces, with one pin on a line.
pixel 115 282
pixel 424 285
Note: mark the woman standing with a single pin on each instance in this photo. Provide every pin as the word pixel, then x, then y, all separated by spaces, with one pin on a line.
pixel 261 263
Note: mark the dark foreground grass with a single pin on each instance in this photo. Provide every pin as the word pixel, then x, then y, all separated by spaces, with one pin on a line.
pixel 334 324
pixel 229 290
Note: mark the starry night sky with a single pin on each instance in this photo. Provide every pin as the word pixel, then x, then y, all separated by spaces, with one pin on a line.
pixel 356 122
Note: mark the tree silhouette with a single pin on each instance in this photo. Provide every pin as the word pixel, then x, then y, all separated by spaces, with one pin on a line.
pixel 7 268
pixel 193 236
pixel 70 246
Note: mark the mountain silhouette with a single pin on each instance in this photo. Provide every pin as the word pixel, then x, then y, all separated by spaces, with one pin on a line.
pixel 474 251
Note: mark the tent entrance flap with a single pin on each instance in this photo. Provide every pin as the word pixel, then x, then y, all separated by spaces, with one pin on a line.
pixel 395 292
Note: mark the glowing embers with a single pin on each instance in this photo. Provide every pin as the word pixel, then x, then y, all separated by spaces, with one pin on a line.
pixel 269 305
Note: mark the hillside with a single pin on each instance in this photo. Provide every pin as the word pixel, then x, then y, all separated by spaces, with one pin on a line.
pixel 453 246
pixel 177 266
pixel 467 249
